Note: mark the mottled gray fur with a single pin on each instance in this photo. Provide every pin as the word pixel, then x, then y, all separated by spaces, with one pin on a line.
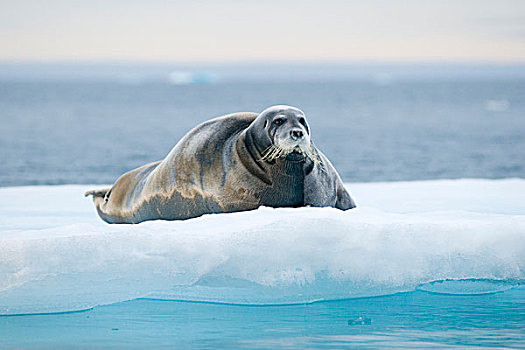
pixel 233 163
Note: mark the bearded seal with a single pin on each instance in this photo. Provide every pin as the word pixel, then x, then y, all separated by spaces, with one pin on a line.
pixel 231 163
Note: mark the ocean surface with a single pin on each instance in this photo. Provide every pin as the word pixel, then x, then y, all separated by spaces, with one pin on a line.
pixel 433 257
pixel 386 125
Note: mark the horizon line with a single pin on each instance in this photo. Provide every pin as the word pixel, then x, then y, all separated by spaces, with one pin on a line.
pixel 270 62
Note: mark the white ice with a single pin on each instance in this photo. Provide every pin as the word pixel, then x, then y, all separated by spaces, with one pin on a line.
pixel 57 255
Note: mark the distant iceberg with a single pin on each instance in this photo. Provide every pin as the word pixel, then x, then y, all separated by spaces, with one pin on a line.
pixel 497 105
pixel 57 255
pixel 187 77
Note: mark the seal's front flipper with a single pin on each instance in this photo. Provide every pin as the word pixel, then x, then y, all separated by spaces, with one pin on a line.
pixel 344 200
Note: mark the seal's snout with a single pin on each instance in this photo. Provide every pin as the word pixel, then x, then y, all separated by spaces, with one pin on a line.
pixel 296 134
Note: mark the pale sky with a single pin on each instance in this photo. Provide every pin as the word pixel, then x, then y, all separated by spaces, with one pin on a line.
pixel 272 30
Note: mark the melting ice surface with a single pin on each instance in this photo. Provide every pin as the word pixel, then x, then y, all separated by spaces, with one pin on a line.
pixel 447 236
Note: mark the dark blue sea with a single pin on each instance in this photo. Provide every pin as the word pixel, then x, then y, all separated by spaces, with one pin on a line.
pixel 87 124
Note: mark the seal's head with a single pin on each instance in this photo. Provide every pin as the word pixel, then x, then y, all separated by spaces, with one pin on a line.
pixel 284 133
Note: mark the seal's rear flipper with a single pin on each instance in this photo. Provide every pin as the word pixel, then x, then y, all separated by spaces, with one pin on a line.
pixel 100 199
pixel 97 193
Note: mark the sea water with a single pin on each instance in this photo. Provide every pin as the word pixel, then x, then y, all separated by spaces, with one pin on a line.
pixel 446 126
pixel 436 263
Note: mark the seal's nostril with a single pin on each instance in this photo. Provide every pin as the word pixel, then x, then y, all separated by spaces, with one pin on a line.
pixel 296 134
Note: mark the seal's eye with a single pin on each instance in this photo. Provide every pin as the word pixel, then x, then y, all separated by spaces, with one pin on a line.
pixel 302 121
pixel 278 121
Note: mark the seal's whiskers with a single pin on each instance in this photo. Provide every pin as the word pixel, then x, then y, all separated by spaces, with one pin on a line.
pixel 266 152
pixel 274 152
pixel 312 154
